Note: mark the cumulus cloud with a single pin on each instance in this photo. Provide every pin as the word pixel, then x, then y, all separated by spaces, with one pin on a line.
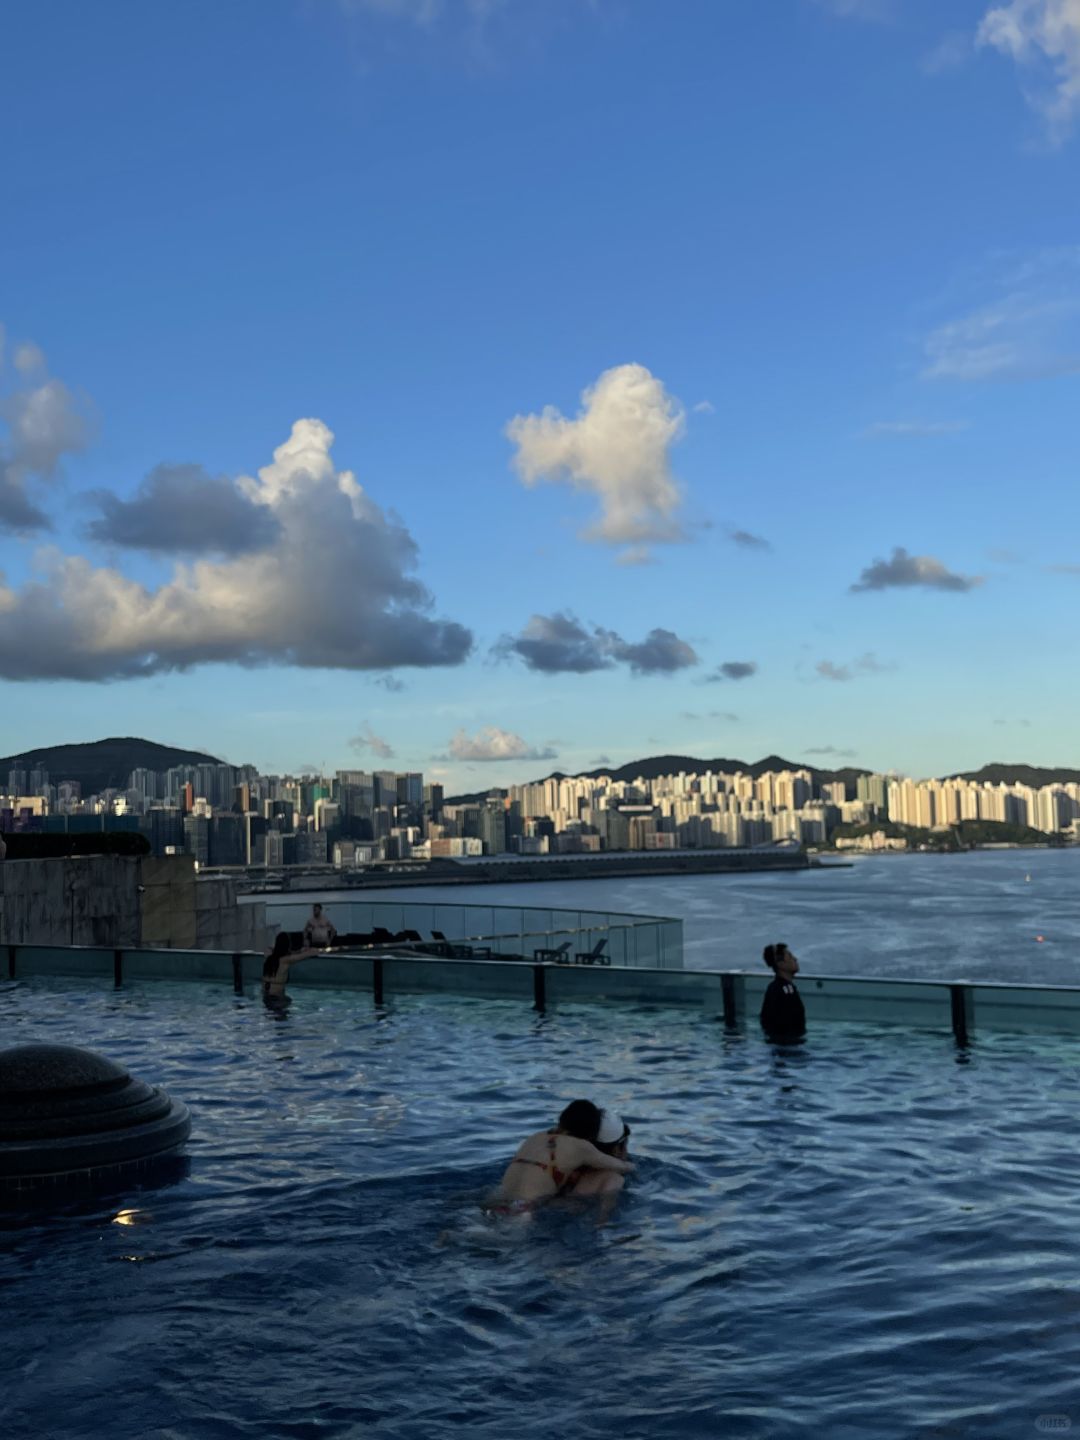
pixel 368 740
pixel 732 670
pixel 902 571
pixel 335 589
pixel 907 429
pixel 867 664
pixel 493 744
pixel 617 449
pixel 43 422
pixel 180 508
pixel 660 653
pixel 1042 36
pixel 559 643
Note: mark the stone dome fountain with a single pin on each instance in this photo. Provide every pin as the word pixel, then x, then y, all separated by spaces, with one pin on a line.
pixel 71 1117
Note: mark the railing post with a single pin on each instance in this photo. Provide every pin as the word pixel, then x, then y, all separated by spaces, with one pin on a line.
pixel 539 988
pixel 962 1017
pixel 377 980
pixel 237 973
pixel 118 968
pixel 731 1017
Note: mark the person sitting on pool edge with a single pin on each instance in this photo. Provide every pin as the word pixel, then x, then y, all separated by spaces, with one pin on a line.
pixel 548 1163
pixel 275 974
pixel 782 1014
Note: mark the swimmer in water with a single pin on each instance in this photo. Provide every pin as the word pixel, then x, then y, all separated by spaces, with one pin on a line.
pixel 276 967
pixel 783 1017
pixel 553 1162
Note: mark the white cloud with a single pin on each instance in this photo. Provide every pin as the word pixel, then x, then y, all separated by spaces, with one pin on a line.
pixel 704 407
pixel 368 740
pixel 493 744
pixel 333 589
pixel 617 449
pixel 1027 329
pixel 44 422
pixel 1044 34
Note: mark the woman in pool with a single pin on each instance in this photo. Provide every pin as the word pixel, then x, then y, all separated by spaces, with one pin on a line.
pixel 611 1139
pixel 554 1162
pixel 276 968
pixel 782 1015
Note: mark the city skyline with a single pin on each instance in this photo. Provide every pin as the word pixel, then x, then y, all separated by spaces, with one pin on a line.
pixel 224 816
pixel 360 403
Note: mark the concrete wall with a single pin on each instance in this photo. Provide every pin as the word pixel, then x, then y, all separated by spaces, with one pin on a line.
pixel 83 900
pixel 119 901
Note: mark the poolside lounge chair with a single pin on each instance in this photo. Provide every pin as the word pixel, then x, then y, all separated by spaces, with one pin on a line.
pixel 559 954
pixel 595 956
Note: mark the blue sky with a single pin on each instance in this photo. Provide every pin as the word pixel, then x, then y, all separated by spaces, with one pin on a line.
pixel 652 340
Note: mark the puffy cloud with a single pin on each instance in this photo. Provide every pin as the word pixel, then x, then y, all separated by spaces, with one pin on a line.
pixel 732 670
pixel 748 541
pixel 368 740
pixel 908 429
pixel 493 744
pixel 1043 33
pixel 180 508
pixel 867 664
pixel 616 449
pixel 660 653
pixel 904 571
pixel 559 643
pixel 334 590
pixel 43 423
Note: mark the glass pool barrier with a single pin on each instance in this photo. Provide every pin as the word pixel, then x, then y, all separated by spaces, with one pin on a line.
pixel 511 931
pixel 730 997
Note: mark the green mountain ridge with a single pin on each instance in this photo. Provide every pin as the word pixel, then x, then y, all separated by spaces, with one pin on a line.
pixel 650 768
pixel 101 764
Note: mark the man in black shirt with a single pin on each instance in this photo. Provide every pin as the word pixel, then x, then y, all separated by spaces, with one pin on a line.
pixel 782 1015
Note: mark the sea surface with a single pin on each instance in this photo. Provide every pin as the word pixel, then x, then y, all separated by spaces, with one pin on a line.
pixel 871 1236
pixel 973 916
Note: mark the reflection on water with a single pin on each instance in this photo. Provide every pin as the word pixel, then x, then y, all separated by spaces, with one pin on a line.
pixel 856 1237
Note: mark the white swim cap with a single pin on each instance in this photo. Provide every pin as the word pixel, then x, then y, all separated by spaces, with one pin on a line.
pixel 611 1130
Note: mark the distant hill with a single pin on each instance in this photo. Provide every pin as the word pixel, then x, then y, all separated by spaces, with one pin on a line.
pixel 672 764
pixel 656 765
pixel 1033 775
pixel 101 764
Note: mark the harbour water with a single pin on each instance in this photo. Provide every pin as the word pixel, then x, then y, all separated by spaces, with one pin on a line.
pixel 971 916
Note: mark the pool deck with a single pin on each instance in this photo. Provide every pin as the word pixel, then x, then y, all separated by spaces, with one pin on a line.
pixel 732 997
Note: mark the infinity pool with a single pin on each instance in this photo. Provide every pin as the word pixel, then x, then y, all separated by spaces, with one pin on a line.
pixel 871 1235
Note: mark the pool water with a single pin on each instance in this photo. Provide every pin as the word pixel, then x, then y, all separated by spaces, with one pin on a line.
pixel 874 1234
